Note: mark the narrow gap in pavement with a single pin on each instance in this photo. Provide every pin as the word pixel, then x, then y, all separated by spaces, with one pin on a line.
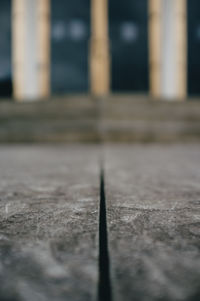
pixel 104 286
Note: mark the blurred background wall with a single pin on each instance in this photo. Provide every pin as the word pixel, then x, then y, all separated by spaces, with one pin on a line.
pixel 193 46
pixel 70 34
pixel 129 45
pixel 5 48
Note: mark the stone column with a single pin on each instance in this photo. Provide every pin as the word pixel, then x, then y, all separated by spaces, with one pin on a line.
pixel 99 49
pixel 155 46
pixel 168 49
pixel 31 49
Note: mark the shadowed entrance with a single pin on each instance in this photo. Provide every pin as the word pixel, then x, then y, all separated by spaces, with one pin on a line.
pixel 129 39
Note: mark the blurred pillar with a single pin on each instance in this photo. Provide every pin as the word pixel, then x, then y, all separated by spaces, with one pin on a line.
pixel 99 49
pixel 155 46
pixel 31 49
pixel 168 48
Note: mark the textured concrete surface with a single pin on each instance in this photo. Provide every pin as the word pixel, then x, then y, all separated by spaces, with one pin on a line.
pixel 153 203
pixel 117 118
pixel 48 223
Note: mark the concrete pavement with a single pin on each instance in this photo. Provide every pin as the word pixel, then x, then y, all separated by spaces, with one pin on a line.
pixel 49 221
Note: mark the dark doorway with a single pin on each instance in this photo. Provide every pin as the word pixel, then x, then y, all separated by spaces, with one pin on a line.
pixel 129 45
pixel 5 49
pixel 70 35
pixel 193 47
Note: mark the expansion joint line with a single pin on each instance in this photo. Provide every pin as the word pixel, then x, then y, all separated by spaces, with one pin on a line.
pixel 104 286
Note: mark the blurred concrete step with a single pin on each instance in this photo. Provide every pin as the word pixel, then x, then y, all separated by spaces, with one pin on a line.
pixel 117 118
pixel 137 118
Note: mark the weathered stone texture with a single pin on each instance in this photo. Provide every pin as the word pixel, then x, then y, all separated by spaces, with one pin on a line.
pixel 48 223
pixel 153 199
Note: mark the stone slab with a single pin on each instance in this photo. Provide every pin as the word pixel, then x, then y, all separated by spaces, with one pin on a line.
pixel 153 207
pixel 49 223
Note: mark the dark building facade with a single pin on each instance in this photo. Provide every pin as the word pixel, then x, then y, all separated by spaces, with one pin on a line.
pixel 70 39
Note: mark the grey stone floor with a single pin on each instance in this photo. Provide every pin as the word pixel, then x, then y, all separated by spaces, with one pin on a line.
pixel 153 200
pixel 49 221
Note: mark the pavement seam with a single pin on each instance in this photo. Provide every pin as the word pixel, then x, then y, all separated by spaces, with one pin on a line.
pixel 104 285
